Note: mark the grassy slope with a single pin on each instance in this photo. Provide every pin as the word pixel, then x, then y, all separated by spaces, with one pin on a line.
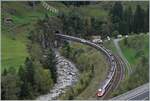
pixel 110 45
pixel 23 12
pixel 94 57
pixel 14 51
pixel 130 53
pixel 96 11
pixel 142 42
pixel 101 9
pixel 93 11
pixel 133 4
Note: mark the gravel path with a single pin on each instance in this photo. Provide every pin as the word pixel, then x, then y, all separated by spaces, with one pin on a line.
pixel 67 76
pixel 129 69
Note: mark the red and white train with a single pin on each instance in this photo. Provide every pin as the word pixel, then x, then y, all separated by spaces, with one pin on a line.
pixel 106 84
pixel 104 87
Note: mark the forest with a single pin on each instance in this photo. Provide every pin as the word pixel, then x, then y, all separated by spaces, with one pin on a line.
pixel 37 74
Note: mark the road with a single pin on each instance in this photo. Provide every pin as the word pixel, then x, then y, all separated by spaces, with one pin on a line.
pixel 116 43
pixel 139 93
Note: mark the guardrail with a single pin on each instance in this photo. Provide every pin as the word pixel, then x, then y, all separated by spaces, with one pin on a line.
pixel 133 93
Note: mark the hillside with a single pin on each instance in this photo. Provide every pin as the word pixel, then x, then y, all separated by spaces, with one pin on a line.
pixel 14 35
pixel 29 47
pixel 135 49
pixel 90 63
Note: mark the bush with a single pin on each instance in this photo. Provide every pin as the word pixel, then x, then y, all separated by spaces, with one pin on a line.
pixel 10 86
pixel 84 57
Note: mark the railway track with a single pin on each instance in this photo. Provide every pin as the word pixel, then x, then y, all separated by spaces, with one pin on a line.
pixel 119 75
pixel 119 71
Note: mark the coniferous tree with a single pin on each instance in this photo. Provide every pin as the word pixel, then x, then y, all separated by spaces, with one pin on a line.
pixel 26 75
pixel 29 71
pixel 128 18
pixel 51 64
pixel 87 26
pixel 44 33
pixel 146 20
pixel 10 86
pixel 96 25
pixel 117 12
pixel 4 72
pixel 123 27
pixel 139 20
pixel 43 81
pixel 117 16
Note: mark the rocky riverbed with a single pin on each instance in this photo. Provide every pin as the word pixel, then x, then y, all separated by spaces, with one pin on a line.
pixel 67 76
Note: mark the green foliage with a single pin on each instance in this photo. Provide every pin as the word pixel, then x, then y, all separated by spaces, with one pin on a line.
pixel 10 86
pixel 51 62
pixel 125 42
pixel 139 24
pixel 29 70
pixel 136 52
pixel 23 16
pixel 76 3
pixel 89 67
pixel 26 75
pixel 13 52
pixel 78 87
pixel 34 77
pixel 96 25
pixel 125 21
pixel 43 81
pixel 22 13
pixel 44 32
pixel 146 27
pixel 72 23
pixel 117 12
pixel 42 40
pixel 115 33
pixel 139 76
pixel 83 67
pixel 35 80
pixel 128 18
pixel 67 49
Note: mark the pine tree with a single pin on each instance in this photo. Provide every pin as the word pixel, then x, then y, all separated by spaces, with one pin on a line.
pixel 51 64
pixel 29 71
pixel 4 72
pixel 117 17
pixel 10 86
pixel 26 75
pixel 139 20
pixel 128 18
pixel 43 81
pixel 123 27
pixel 88 26
pixel 96 25
pixel 117 12
pixel 146 20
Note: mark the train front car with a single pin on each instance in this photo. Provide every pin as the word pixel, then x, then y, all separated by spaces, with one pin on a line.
pixel 100 92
